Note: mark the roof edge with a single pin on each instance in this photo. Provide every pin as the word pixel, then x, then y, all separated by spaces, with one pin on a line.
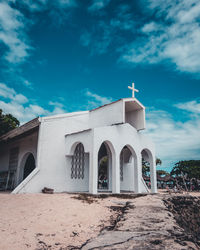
pixel 21 130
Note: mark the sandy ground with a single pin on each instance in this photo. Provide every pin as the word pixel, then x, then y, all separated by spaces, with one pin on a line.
pixel 57 221
pixel 33 221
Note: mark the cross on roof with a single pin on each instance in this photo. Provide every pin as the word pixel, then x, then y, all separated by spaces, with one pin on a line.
pixel 133 90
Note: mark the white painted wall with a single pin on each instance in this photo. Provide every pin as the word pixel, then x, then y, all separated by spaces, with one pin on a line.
pixel 107 115
pixel 128 183
pixel 136 118
pixel 77 185
pixel 58 136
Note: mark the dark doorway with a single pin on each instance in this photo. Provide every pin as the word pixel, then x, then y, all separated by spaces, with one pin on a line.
pixel 29 166
pixel 103 167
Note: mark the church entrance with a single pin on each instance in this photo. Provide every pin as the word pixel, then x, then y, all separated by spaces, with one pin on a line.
pixel 26 167
pixel 104 168
pixel 29 166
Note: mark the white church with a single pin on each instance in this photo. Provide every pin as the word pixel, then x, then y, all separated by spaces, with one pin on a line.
pixel 99 150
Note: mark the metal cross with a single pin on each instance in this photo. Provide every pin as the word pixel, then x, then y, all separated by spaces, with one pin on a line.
pixel 133 90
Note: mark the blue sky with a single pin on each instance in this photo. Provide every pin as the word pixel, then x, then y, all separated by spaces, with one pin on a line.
pixel 69 55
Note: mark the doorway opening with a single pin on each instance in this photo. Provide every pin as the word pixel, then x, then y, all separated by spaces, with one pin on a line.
pixel 29 165
pixel 104 168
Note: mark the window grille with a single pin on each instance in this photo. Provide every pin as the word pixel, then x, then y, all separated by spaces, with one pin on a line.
pixel 78 162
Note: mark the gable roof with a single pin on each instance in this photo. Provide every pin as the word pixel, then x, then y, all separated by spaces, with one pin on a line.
pixel 132 103
pixel 24 129
pixel 139 104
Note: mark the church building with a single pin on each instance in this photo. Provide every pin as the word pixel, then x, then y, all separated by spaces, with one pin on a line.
pixel 94 151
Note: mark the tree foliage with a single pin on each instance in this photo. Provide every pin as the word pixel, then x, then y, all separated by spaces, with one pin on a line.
pixel 190 169
pixel 7 122
pixel 158 161
pixel 146 166
pixel 162 173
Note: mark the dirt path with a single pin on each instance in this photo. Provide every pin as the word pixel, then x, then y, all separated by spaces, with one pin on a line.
pixel 146 225
pixel 63 221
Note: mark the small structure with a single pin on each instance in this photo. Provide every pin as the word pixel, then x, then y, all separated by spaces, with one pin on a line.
pixel 90 151
pixel 165 181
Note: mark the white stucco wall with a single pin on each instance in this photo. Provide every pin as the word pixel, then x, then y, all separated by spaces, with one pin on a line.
pixel 128 182
pixel 59 134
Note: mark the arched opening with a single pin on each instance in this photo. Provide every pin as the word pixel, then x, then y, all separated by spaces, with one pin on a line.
pixel 104 168
pixel 128 169
pixel 26 166
pixel 147 167
pixel 29 165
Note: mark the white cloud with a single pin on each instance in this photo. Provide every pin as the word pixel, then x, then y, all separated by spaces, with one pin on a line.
pixel 175 140
pixel 58 107
pixel 58 104
pixel 151 27
pixel 98 4
pixel 95 100
pixel 9 93
pixel 19 106
pixel 192 106
pixel 175 36
pixel 6 92
pixel 12 24
pixel 19 98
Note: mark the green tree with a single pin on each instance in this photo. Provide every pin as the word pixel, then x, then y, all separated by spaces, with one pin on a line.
pixel 7 122
pixel 158 161
pixel 162 172
pixel 191 169
pixel 146 166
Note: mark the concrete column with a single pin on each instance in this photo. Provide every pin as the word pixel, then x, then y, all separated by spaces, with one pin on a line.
pixel 116 174
pixel 93 169
pixel 153 176
pixel 138 173
pixel 93 162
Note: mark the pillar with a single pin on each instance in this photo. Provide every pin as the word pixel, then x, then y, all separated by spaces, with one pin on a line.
pixel 116 173
pixel 138 172
pixel 93 167
pixel 153 175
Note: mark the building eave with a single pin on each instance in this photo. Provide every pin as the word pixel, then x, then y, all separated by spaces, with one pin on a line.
pixel 24 129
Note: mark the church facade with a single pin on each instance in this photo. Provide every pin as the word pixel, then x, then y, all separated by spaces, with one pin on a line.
pixel 100 150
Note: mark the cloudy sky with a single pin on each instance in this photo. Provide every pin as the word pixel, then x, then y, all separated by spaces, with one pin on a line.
pixel 69 55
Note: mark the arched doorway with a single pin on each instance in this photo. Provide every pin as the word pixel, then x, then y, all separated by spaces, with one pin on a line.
pixel 29 165
pixel 147 167
pixel 104 168
pixel 128 166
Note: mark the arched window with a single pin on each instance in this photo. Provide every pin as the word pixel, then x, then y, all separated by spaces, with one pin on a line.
pixel 78 162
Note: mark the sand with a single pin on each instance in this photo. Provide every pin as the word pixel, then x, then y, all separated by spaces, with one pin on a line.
pixel 41 221
pixel 58 221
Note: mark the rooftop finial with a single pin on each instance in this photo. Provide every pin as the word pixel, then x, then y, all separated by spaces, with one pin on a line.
pixel 133 89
